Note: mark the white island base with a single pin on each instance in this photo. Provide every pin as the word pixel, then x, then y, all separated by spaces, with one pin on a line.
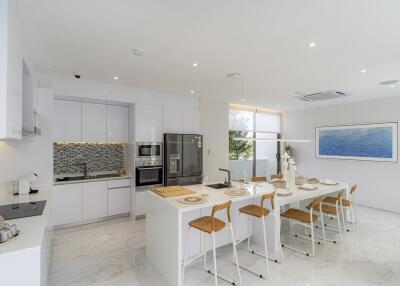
pixel 167 223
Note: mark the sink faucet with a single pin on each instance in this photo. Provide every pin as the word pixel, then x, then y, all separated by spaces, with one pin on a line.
pixel 228 183
pixel 85 170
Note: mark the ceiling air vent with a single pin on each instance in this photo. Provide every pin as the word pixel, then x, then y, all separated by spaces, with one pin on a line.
pixel 324 95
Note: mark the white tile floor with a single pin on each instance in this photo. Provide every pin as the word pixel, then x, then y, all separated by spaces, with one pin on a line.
pixel 112 253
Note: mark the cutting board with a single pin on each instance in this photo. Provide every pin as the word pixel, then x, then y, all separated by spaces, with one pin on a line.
pixel 172 191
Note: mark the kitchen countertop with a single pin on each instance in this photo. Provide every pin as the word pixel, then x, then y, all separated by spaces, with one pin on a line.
pixel 32 228
pixel 91 180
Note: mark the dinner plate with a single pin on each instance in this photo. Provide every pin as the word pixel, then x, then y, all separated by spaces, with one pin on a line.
pixel 283 192
pixel 328 182
pixel 192 200
pixel 237 192
pixel 308 187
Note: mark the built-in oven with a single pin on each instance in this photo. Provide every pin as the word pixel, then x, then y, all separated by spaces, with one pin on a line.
pixel 149 175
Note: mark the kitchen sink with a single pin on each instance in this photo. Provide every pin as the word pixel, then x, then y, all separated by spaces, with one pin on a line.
pixel 217 186
pixel 79 178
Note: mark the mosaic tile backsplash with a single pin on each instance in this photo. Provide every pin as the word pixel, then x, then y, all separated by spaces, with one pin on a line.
pixel 99 157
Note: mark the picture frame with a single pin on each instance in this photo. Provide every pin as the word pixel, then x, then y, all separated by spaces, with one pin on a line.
pixel 364 142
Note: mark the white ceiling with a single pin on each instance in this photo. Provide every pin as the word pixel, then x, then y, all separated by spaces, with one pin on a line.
pixel 266 40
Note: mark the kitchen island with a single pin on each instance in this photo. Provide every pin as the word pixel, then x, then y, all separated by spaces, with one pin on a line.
pixel 167 222
pixel 25 259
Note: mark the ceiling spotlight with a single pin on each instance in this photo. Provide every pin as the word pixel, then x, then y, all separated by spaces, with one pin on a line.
pixel 392 85
pixel 137 52
pixel 235 75
pixel 195 64
pixel 116 78
pixel 389 82
pixel 243 99
pixel 192 91
pixel 363 71
pixel 312 45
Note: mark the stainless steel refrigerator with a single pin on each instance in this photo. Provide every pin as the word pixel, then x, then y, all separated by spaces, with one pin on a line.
pixel 183 159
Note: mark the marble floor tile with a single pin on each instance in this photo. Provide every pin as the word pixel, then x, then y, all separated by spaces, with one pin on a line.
pixel 112 253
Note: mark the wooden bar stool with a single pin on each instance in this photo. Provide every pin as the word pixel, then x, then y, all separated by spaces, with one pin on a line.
pixel 277 176
pixel 346 204
pixel 259 179
pixel 307 219
pixel 331 211
pixel 210 225
pixel 259 212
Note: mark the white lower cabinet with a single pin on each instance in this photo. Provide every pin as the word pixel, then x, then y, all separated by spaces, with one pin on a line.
pixel 94 197
pixel 119 201
pixel 67 204
pixel 80 202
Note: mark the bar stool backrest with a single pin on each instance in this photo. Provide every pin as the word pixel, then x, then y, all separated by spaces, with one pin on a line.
pixel 266 197
pixel 277 176
pixel 259 179
pixel 353 189
pixel 340 195
pixel 221 207
pixel 316 203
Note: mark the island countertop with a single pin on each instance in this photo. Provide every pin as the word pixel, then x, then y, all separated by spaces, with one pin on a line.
pixel 32 229
pixel 217 196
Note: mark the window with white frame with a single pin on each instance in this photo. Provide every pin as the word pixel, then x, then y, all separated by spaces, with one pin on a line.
pixel 253 157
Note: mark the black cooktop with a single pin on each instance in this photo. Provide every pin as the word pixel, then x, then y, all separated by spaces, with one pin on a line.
pixel 21 210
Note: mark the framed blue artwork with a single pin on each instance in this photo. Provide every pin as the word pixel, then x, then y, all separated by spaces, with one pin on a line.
pixel 368 142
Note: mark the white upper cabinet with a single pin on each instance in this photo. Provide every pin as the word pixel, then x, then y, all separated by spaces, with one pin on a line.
pixel 67 121
pixel 149 123
pixel 190 121
pixel 173 119
pixel 117 123
pixel 94 121
pixel 11 62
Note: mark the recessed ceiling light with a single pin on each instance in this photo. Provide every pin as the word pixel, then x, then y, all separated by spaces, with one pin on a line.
pixel 195 64
pixel 137 52
pixel 243 99
pixel 278 105
pixel 392 85
pixel 116 78
pixel 363 71
pixel 312 45
pixel 235 75
pixel 192 91
pixel 389 82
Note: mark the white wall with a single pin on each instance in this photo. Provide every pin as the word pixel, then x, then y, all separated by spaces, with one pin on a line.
pixel 378 181
pixel 19 158
pixel 214 125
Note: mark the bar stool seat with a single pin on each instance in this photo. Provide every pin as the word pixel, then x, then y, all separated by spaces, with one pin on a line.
pixel 254 210
pixel 205 224
pixel 300 215
pixel 332 200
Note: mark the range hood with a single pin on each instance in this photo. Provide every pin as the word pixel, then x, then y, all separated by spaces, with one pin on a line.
pixel 32 129
pixel 30 117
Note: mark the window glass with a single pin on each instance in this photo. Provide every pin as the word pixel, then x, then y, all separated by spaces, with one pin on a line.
pixel 240 120
pixel 268 122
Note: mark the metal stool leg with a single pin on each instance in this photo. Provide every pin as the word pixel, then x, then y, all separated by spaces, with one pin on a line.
pixel 265 245
pixel 278 239
pixel 355 207
pixel 338 220
pixel 215 260
pixel 235 253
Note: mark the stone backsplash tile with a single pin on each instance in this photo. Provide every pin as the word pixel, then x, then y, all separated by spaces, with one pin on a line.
pixel 99 157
